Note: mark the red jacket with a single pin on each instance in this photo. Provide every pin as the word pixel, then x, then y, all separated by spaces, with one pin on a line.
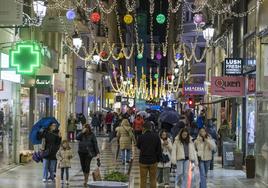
pixel 109 118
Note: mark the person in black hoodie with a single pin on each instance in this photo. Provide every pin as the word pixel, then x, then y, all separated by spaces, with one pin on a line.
pixel 87 150
pixel 51 141
pixel 149 144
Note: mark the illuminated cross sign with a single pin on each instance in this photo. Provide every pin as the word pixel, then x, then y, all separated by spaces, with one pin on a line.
pixel 25 57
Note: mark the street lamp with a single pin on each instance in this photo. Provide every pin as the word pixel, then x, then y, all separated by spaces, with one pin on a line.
pixel 77 41
pixel 208 33
pixel 40 9
pixel 176 70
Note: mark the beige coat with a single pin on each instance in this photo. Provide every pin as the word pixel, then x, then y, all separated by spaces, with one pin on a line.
pixel 204 148
pixel 125 135
pixel 166 149
pixel 178 152
pixel 64 157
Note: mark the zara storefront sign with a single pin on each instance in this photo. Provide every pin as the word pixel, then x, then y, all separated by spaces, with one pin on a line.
pixel 233 66
pixel 42 81
pixel 194 89
pixel 229 86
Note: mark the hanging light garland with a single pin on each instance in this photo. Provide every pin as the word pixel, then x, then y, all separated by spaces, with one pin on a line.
pixel 165 45
pixel 152 6
pixel 129 7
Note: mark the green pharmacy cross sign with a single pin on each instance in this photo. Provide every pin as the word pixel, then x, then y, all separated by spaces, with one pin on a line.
pixel 25 57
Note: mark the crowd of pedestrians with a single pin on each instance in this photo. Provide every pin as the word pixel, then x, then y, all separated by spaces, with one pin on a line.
pixel 188 143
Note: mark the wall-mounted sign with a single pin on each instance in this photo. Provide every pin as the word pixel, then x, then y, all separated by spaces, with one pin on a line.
pixel 25 57
pixel 194 89
pixel 233 66
pixel 249 66
pixel 42 81
pixel 228 86
pixel 251 84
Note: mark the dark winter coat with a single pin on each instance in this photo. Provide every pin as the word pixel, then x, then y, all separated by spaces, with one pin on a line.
pixel 52 144
pixel 88 144
pixel 149 144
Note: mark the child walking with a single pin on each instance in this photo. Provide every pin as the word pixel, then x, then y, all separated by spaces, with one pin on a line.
pixel 64 156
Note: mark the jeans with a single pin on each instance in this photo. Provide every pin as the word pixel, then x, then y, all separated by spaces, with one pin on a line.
pixel 66 173
pixel 144 170
pixel 163 175
pixel 203 167
pixel 125 155
pixel 182 173
pixel 49 166
pixel 85 161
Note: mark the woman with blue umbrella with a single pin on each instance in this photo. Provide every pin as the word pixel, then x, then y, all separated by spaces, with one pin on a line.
pixel 51 140
pixel 46 132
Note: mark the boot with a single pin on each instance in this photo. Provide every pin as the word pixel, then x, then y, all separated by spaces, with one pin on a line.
pixel 86 175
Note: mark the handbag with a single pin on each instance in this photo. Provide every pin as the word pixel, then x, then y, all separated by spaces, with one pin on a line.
pixel 164 158
pixel 96 174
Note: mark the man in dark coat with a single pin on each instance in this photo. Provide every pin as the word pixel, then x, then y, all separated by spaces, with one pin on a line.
pixel 149 144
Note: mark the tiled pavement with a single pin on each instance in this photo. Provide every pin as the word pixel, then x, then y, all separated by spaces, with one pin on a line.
pixel 30 175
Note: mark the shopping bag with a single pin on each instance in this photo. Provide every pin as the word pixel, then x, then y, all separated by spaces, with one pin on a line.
pixel 96 174
pixel 195 177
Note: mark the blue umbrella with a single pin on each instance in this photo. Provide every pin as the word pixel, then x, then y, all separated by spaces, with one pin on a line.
pixel 43 123
pixel 169 116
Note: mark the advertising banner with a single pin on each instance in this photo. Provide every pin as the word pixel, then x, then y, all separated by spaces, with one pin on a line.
pixel 194 89
pixel 228 86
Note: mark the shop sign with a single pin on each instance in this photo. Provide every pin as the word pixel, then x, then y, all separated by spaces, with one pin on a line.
pixel 42 81
pixel 194 89
pixel 228 86
pixel 251 84
pixel 233 66
pixel 249 66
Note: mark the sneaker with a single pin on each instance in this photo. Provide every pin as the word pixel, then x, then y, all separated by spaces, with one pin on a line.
pixel 62 181
pixel 44 180
pixel 67 183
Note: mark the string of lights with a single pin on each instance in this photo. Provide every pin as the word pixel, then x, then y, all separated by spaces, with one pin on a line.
pixel 152 7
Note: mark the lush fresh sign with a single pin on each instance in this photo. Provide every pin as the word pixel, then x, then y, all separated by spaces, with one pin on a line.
pixel 233 66
pixel 25 57
pixel 42 81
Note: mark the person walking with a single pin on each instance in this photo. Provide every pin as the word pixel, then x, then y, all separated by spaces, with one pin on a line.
pixel 71 128
pixel 64 156
pixel 183 152
pixel 204 145
pixel 212 132
pixel 87 150
pixel 165 163
pixel 201 119
pixel 126 140
pixel 108 122
pixel 95 122
pixel 50 145
pixel 138 123
pixel 149 144
pixel 224 134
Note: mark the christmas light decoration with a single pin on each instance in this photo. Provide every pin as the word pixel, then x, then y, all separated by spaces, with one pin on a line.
pixel 139 56
pixel 158 56
pixel 70 15
pixel 95 17
pixel 160 18
pixel 128 19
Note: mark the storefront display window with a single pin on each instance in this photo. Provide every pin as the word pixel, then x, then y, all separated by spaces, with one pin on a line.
pixel 25 105
pixel 250 124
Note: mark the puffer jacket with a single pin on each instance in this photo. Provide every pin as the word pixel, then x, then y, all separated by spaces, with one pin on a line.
pixel 125 136
pixel 204 148
pixel 64 157
pixel 178 152
pixel 166 149
pixel 88 144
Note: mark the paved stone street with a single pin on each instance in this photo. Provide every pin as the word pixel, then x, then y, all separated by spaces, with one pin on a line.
pixel 30 175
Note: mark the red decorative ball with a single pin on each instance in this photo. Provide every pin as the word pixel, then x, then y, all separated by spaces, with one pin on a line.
pixel 95 17
pixel 103 54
